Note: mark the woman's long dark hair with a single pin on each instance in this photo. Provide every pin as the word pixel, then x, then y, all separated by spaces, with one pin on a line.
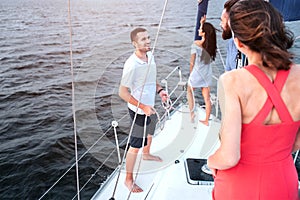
pixel 210 42
pixel 257 24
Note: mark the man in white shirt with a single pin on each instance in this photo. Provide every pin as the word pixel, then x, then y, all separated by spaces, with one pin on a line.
pixel 138 88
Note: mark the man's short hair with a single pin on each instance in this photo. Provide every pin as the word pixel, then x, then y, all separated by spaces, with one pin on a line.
pixel 135 32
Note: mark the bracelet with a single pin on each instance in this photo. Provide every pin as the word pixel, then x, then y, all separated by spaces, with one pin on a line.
pixel 160 90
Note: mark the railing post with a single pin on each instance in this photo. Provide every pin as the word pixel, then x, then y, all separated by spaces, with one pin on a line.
pixel 114 125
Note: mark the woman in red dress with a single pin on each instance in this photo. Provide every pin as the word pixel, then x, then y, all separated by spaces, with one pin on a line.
pixel 260 111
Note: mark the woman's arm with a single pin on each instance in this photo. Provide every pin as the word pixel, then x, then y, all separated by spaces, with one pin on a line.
pixel 228 153
pixel 296 146
pixel 192 61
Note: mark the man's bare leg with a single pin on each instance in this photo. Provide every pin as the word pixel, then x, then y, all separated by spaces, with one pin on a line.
pixel 146 151
pixel 130 162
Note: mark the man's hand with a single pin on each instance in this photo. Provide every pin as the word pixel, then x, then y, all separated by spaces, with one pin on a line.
pixel 148 110
pixel 164 96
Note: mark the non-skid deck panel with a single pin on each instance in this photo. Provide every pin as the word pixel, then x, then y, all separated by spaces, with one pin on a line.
pixel 173 142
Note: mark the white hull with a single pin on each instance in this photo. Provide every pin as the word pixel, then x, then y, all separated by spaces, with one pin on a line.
pixel 179 140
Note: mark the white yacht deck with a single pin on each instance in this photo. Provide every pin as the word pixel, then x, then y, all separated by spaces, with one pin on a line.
pixel 179 140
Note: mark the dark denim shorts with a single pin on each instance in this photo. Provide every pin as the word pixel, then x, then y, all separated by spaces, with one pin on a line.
pixel 136 139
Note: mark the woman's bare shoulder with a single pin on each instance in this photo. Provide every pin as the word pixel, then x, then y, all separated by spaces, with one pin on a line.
pixel 293 78
pixel 234 77
pixel 291 92
pixel 294 73
pixel 295 68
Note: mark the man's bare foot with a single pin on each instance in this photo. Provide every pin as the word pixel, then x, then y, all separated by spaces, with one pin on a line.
pixel 133 187
pixel 204 122
pixel 151 157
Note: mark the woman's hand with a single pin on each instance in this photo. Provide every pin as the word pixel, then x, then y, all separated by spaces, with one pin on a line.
pixel 203 19
pixel 213 170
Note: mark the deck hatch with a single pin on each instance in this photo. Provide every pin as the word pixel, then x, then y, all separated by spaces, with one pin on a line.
pixel 195 175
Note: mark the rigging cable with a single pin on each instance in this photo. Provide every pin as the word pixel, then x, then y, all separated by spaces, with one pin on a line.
pixel 73 112
pixel 73 101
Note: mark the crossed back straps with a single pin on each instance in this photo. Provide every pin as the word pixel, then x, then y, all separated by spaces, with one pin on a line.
pixel 273 90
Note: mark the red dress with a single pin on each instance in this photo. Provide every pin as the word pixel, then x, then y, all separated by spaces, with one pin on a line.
pixel 266 170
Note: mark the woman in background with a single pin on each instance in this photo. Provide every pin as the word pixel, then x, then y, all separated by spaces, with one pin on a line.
pixel 203 52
